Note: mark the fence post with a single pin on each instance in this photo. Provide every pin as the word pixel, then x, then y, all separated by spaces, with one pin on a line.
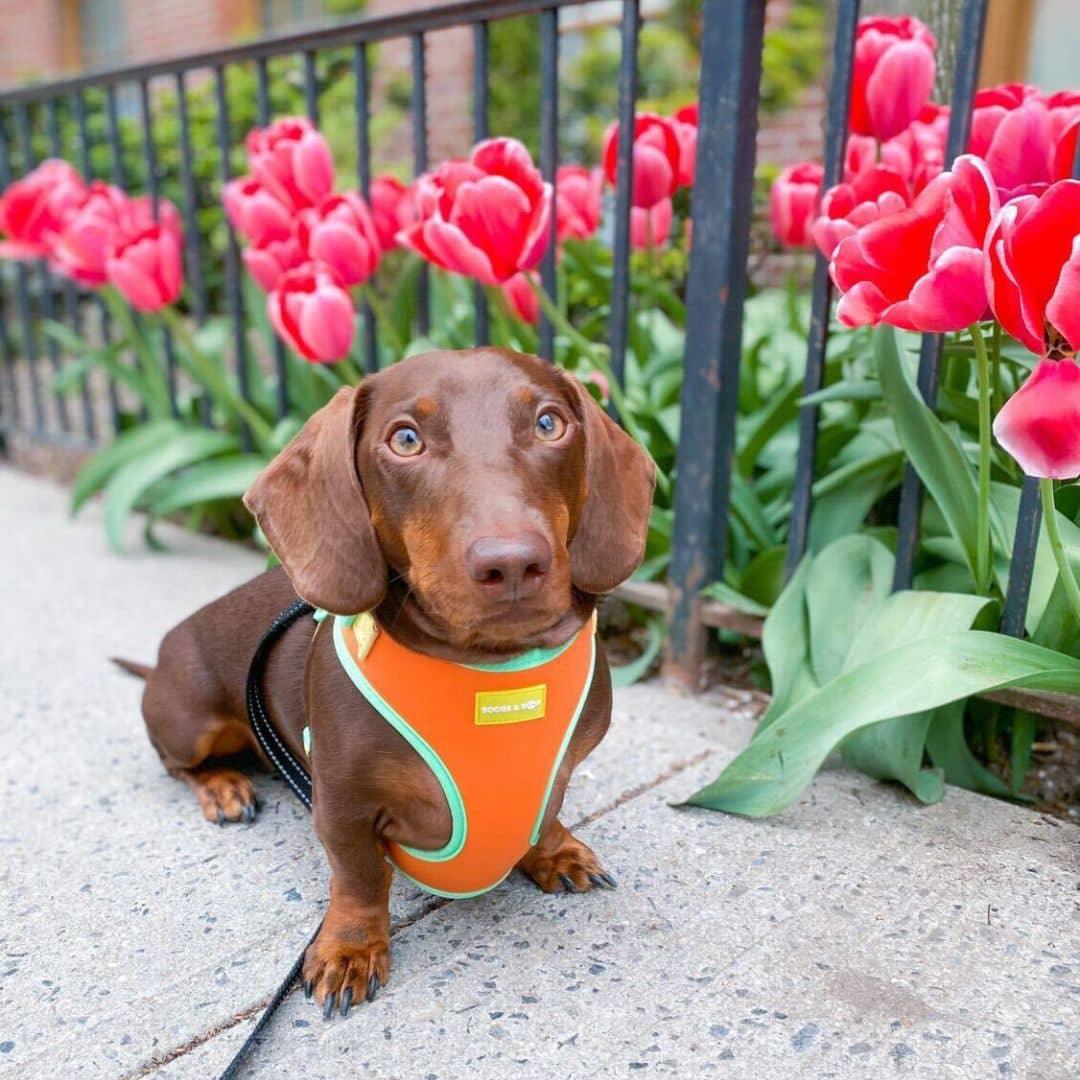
pixel 731 42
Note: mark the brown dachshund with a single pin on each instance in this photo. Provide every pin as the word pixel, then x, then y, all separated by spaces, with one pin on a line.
pixel 477 503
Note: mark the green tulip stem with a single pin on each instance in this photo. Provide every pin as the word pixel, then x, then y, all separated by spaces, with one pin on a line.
pixel 982 520
pixel 213 378
pixel 598 357
pixel 153 371
pixel 995 366
pixel 1053 534
pixel 382 318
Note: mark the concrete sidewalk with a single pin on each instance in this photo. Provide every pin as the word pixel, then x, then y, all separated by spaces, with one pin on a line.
pixel 857 934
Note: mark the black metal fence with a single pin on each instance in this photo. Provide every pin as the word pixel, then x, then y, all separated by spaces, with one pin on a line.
pixel 731 48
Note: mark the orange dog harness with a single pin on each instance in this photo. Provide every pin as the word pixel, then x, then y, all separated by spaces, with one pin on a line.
pixel 494 735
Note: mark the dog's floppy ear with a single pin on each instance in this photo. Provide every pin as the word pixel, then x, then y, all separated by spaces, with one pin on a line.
pixel 309 503
pixel 609 542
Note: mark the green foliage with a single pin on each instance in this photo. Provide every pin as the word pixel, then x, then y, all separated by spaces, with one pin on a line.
pixel 843 653
pixel 792 55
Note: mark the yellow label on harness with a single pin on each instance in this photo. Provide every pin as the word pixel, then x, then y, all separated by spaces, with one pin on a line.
pixel 511 706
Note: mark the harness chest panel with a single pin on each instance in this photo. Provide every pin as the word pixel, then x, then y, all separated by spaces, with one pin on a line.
pixel 493 735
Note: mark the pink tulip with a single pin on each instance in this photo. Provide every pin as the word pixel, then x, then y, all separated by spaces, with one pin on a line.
pixel 656 159
pixel 521 298
pixel 876 192
pixel 922 267
pixel 686 131
pixel 893 74
pixel 341 234
pixel 312 313
pixel 1027 138
pixel 391 209
pixel 34 208
pixel 255 213
pixel 918 152
pixel 90 232
pixel 1040 424
pixel 649 229
pixel 266 264
pixel 1033 269
pixel 792 199
pixel 486 218
pixel 292 161
pixel 146 267
pixel 578 192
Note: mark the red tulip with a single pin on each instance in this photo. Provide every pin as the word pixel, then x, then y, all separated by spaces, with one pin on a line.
pixel 255 212
pixel 487 217
pixel 341 234
pixel 650 228
pixel 893 74
pixel 33 209
pixel 792 199
pixel 266 264
pixel 521 298
pixel 1040 424
pixel 921 268
pixel 90 232
pixel 1027 138
pixel 292 161
pixel 578 193
pixel 1033 269
pixel 312 313
pixel 686 131
pixel 391 209
pixel 146 267
pixel 874 193
pixel 656 159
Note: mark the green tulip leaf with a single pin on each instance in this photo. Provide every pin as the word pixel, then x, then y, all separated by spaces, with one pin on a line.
pixel 922 675
pixel 134 479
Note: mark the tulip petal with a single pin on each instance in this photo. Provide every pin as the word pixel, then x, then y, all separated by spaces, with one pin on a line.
pixel 327 323
pixel 899 87
pixel 494 214
pixel 862 305
pixel 132 280
pixel 447 246
pixel 950 296
pixel 1063 310
pixel 1040 424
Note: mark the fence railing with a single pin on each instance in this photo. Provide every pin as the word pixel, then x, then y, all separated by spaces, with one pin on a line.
pixel 731 49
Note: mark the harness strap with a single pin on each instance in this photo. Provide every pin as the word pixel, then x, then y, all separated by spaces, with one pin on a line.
pixel 273 746
pixel 298 779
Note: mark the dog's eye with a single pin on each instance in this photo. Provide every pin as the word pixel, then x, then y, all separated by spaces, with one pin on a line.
pixel 550 426
pixel 405 442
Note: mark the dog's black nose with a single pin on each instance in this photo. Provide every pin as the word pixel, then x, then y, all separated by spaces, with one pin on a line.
pixel 509 567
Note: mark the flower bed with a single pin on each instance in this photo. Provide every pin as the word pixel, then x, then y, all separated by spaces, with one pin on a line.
pixel 982 251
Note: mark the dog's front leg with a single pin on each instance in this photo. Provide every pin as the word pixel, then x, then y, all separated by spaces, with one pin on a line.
pixel 350 959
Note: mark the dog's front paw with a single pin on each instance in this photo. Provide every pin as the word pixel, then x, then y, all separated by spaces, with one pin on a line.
pixel 224 794
pixel 339 972
pixel 562 863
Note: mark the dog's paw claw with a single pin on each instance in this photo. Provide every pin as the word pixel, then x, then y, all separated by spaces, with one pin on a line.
pixel 570 867
pixel 343 973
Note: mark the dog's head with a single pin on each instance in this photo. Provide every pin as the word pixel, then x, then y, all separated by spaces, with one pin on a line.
pixel 490 482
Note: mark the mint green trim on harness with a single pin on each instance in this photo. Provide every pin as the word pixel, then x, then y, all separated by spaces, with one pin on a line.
pixel 571 728
pixel 458 824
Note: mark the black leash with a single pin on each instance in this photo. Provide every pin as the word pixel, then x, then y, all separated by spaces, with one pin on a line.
pixel 296 776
